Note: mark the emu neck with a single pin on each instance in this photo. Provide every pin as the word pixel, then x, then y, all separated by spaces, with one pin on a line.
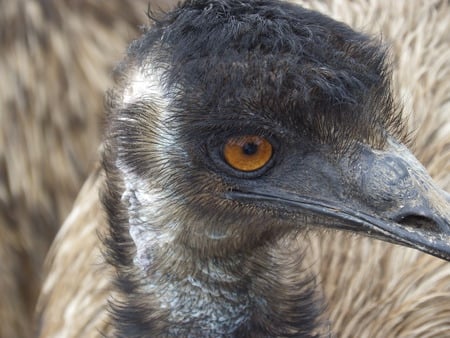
pixel 199 296
pixel 264 292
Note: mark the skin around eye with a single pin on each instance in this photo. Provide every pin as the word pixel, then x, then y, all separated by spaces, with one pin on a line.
pixel 247 153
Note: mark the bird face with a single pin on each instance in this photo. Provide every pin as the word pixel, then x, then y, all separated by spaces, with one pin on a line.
pixel 385 194
pixel 226 144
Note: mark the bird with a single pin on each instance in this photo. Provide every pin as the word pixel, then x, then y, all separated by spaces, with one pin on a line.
pixel 234 128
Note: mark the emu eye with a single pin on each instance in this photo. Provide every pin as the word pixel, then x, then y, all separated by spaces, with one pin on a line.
pixel 247 153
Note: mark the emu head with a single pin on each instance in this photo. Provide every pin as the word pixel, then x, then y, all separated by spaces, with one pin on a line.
pixel 234 124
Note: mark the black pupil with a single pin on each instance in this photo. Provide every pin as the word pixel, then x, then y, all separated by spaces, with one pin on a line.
pixel 250 148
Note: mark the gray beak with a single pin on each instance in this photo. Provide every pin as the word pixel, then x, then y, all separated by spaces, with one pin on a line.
pixel 414 211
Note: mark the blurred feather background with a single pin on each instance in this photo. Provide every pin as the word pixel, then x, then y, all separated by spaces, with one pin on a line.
pixel 55 65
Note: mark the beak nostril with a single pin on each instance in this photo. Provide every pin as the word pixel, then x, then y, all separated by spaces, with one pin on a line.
pixel 419 222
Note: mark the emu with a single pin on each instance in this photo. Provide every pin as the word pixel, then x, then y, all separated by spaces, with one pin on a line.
pixel 234 128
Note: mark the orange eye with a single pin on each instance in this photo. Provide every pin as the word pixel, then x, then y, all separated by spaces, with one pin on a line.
pixel 247 153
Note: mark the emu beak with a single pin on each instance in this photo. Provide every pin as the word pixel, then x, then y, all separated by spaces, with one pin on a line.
pixel 414 211
pixel 386 194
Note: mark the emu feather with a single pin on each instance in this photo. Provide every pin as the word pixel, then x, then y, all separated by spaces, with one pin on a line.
pixel 345 326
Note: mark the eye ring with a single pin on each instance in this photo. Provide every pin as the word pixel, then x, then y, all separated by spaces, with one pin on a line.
pixel 247 153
